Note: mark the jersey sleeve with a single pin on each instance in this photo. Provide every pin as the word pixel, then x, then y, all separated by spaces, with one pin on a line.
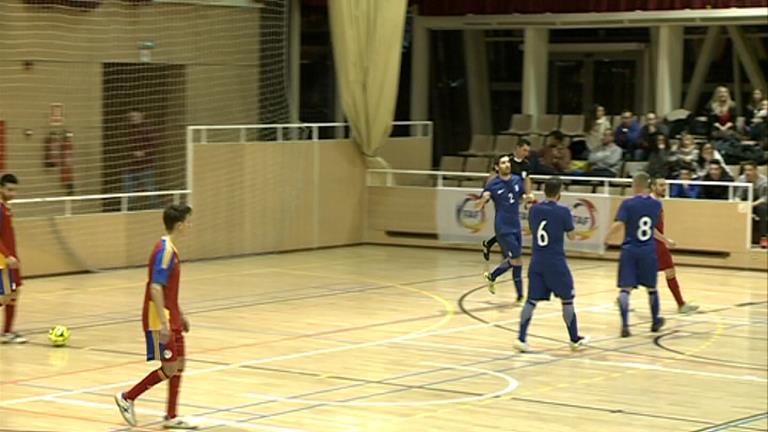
pixel 162 266
pixel 568 220
pixel 621 215
pixel 3 249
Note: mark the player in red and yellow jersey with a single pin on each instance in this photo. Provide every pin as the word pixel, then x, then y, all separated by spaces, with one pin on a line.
pixel 10 277
pixel 163 321
pixel 658 191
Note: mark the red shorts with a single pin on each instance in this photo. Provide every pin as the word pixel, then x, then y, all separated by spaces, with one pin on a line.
pixel 663 256
pixel 165 352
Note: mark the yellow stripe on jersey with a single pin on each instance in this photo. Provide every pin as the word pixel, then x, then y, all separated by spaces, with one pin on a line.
pixel 153 321
pixel 6 280
pixel 167 254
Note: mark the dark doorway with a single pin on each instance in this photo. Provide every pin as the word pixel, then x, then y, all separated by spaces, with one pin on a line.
pixel 158 92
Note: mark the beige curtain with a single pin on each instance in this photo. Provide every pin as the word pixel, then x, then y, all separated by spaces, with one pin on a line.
pixel 367 37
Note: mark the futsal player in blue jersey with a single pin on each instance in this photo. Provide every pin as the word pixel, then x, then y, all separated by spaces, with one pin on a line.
pixel 506 191
pixel 548 272
pixel 638 216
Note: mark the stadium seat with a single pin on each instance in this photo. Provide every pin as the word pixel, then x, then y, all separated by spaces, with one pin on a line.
pixel 572 125
pixel 480 145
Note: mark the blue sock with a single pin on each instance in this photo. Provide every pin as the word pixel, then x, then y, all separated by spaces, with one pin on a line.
pixel 653 299
pixel 569 316
pixel 525 319
pixel 624 307
pixel 500 270
pixel 517 276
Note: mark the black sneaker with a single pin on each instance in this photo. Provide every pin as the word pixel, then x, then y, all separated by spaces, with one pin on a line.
pixel 486 251
pixel 625 332
pixel 658 324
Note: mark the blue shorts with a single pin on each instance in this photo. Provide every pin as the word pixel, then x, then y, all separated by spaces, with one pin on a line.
pixel 638 267
pixel 511 244
pixel 545 281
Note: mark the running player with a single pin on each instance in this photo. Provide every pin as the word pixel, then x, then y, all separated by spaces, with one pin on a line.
pixel 506 191
pixel 659 191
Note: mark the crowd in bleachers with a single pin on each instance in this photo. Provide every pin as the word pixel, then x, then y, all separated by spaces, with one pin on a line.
pixel 718 147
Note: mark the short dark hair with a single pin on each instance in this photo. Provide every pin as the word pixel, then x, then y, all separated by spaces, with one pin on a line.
pixel 751 163
pixel 498 159
pixel 686 167
pixel 557 135
pixel 716 162
pixel 523 142
pixel 8 178
pixel 552 186
pixel 174 214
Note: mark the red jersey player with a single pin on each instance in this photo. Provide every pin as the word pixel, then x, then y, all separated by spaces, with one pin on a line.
pixel 658 191
pixel 10 277
pixel 163 321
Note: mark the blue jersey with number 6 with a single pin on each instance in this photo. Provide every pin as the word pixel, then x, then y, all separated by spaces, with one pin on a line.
pixel 549 221
pixel 640 215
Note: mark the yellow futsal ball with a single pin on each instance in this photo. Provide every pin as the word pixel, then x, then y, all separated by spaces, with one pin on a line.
pixel 58 335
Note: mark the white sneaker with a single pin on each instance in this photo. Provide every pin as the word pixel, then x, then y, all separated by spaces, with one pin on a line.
pixel 13 338
pixel 520 346
pixel 688 308
pixel 581 343
pixel 126 409
pixel 178 423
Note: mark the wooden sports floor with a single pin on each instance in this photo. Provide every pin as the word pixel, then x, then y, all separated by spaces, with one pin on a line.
pixel 373 338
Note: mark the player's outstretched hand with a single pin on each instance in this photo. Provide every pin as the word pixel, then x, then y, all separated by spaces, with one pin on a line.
pixel 671 243
pixel 185 324
pixel 12 262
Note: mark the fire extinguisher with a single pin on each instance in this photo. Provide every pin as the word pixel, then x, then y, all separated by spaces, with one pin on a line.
pixel 51 149
pixel 65 162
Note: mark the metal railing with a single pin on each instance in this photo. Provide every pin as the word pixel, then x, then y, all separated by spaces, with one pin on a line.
pixel 124 199
pixel 201 134
pixel 603 183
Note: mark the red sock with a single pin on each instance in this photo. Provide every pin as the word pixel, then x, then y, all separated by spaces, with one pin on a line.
pixel 173 394
pixel 10 311
pixel 675 288
pixel 152 379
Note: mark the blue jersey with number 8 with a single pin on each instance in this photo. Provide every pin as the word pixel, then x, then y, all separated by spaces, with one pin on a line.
pixel 640 215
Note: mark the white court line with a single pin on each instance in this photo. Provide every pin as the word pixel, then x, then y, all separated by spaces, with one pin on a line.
pixel 198 420
pixel 293 356
pixel 511 385
pixel 632 365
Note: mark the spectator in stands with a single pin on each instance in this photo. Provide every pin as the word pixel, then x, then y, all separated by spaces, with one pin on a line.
pixel 715 173
pixel 685 190
pixel 758 124
pixel 706 155
pixel 754 105
pixel 605 161
pixel 627 136
pixel 687 152
pixel 596 124
pixel 759 201
pixel 722 114
pixel 555 157
pixel 139 158
pixel 648 135
pixel 661 159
